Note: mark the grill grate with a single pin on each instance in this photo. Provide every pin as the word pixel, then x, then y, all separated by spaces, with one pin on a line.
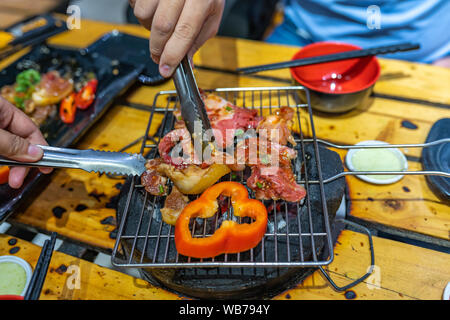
pixel 293 237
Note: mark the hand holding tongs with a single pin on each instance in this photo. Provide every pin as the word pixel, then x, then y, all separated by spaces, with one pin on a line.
pixel 88 160
pixel 193 108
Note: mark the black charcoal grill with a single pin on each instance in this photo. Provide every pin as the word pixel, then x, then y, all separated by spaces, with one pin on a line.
pixel 298 234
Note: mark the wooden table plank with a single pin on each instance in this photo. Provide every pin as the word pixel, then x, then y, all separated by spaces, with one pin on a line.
pixel 401 272
pixel 406 208
pixel 90 31
pixel 13 11
pixel 29 5
pixel 95 282
pixel 9 18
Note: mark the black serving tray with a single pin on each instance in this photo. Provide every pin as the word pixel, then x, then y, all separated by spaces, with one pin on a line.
pixel 118 61
pixel 437 158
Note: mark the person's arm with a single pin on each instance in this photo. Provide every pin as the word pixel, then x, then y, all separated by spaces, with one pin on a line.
pixel 18 139
pixel 178 27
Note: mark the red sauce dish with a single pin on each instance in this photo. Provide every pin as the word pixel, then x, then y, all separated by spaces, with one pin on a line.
pixel 337 86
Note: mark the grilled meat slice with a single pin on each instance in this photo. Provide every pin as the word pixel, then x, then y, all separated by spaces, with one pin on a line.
pixel 275 183
pixel 153 182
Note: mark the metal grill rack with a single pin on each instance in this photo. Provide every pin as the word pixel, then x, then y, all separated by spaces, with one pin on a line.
pixel 283 231
pixel 156 239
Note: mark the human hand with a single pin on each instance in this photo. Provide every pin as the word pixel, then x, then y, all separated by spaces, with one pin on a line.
pixel 18 139
pixel 178 27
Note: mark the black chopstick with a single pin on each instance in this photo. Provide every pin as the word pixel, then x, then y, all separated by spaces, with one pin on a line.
pixel 14 47
pixel 332 57
pixel 50 23
pixel 37 279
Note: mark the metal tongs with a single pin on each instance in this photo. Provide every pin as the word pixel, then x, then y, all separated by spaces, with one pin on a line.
pixel 88 160
pixel 193 109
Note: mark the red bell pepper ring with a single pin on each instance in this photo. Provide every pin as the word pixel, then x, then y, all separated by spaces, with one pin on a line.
pixel 230 237
pixel 68 109
pixel 86 95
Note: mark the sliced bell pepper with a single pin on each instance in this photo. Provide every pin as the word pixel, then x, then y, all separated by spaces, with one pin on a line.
pixel 68 109
pixel 86 95
pixel 230 237
pixel 4 174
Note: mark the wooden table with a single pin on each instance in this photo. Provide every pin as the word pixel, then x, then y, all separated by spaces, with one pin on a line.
pixel 406 91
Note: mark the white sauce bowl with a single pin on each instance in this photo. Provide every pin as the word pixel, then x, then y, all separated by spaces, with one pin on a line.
pixel 22 263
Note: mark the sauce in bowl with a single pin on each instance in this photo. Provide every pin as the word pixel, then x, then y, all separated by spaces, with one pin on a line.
pixel 15 275
pixel 377 160
pixel 13 278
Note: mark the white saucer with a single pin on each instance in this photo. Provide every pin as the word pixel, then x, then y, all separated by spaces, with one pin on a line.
pixel 369 178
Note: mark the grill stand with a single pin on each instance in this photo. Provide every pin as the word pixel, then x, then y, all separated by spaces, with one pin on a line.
pixel 372 259
pixel 319 259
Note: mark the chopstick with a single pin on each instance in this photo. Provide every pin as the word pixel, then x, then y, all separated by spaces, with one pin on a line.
pixel 332 57
pixel 37 279
pixel 20 43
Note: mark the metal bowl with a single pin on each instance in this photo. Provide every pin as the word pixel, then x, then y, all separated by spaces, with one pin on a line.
pixel 339 86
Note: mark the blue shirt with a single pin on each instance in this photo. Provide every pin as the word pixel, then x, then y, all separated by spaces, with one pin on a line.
pixel 369 23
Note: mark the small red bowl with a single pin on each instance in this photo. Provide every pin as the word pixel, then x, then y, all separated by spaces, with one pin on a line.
pixel 337 86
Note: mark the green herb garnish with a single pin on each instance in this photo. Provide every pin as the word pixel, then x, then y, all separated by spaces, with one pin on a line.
pixel 239 132
pixel 259 185
pixel 228 108
pixel 25 83
pixel 21 88
pixel 161 189
pixel 28 78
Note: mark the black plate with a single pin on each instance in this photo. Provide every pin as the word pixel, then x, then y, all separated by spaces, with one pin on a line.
pixel 437 158
pixel 117 60
pixel 129 49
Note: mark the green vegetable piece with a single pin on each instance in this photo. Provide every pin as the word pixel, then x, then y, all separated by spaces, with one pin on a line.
pixel 28 77
pixel 21 88
pixel 19 102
